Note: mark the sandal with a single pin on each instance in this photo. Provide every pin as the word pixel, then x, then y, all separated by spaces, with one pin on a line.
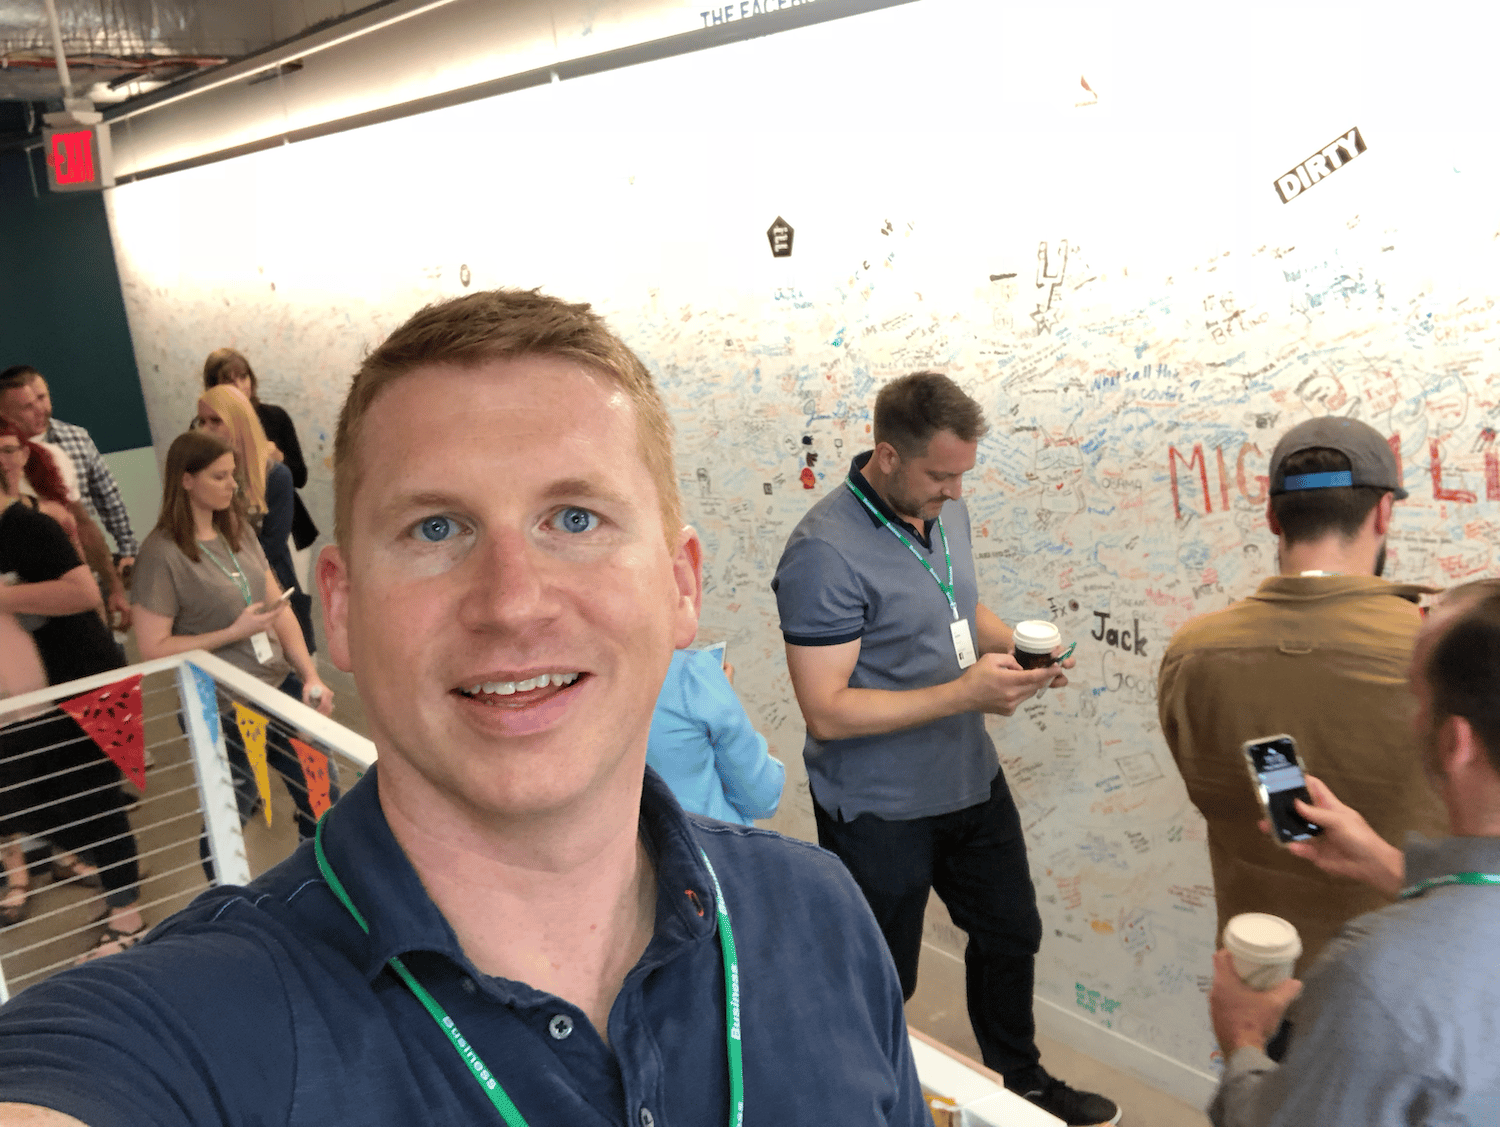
pixel 15 906
pixel 112 941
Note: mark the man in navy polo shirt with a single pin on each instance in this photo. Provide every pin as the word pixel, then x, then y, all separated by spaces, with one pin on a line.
pixel 895 663
pixel 510 920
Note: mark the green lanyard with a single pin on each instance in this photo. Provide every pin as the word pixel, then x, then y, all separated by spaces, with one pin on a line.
pixel 1415 890
pixel 484 1077
pixel 946 588
pixel 236 576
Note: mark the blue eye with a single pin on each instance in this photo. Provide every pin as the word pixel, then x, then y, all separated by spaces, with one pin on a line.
pixel 436 529
pixel 574 519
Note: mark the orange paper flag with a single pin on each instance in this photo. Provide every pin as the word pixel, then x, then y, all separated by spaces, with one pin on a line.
pixel 315 770
pixel 252 726
pixel 112 718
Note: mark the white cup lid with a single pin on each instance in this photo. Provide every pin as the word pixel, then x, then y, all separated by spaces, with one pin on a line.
pixel 1036 637
pixel 1261 935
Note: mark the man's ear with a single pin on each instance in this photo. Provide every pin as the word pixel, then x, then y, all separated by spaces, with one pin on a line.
pixel 885 459
pixel 1382 513
pixel 1459 747
pixel 687 570
pixel 1271 521
pixel 333 588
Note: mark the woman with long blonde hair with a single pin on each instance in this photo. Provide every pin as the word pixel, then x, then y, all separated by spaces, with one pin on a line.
pixel 265 484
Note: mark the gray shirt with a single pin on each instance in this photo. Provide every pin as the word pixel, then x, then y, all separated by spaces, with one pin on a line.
pixel 1398 1022
pixel 843 576
pixel 202 597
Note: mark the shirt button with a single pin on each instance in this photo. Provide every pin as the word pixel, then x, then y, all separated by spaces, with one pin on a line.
pixel 647 1119
pixel 561 1026
pixel 468 986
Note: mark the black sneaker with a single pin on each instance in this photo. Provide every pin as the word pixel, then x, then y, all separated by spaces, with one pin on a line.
pixel 1075 1108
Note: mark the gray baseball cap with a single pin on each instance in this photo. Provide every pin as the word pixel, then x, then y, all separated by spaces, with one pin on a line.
pixel 1371 462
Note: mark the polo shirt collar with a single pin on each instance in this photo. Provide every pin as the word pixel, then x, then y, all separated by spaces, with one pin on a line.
pixel 862 483
pixel 402 917
pixel 1312 588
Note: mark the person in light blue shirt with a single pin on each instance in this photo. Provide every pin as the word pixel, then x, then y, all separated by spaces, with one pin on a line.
pixel 705 747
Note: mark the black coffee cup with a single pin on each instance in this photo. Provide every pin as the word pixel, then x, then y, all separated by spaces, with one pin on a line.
pixel 1034 642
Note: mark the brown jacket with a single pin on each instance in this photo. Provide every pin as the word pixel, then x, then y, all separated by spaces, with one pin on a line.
pixel 1323 659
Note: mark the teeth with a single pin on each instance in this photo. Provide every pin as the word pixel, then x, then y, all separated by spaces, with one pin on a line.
pixel 509 688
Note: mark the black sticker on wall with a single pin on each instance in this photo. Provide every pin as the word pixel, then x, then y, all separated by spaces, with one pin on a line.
pixel 780 235
pixel 1323 163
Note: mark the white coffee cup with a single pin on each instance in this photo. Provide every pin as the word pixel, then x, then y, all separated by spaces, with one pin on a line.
pixel 1264 948
pixel 1034 642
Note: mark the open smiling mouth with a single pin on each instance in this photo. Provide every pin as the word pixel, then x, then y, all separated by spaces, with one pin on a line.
pixel 519 694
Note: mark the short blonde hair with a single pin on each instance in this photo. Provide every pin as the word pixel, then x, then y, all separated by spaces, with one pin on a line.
pixel 252 450
pixel 506 325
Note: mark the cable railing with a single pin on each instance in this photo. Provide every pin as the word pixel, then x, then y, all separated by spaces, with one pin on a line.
pixel 144 786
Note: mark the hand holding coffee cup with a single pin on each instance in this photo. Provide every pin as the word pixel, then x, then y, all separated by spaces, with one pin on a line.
pixel 1035 642
pixel 1263 947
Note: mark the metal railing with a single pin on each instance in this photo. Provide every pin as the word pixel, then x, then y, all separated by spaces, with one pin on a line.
pixel 226 795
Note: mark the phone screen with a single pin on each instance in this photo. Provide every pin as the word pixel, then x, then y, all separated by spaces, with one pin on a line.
pixel 1279 774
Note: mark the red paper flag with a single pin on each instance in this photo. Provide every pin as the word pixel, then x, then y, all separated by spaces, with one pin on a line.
pixel 315 770
pixel 112 718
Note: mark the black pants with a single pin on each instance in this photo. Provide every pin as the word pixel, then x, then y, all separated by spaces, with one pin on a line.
pixel 281 758
pixel 975 859
pixel 70 795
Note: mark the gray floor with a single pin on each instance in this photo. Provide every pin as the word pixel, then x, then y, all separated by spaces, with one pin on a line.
pixel 938 1009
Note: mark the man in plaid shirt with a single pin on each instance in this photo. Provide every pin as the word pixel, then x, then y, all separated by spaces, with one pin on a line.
pixel 23 406
pixel 100 494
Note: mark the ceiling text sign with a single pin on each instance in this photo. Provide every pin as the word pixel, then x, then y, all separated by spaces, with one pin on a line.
pixel 1325 162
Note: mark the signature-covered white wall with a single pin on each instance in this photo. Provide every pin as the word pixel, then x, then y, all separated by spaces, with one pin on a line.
pixel 1075 214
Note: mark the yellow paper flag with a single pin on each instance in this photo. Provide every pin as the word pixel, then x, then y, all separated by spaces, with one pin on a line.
pixel 252 727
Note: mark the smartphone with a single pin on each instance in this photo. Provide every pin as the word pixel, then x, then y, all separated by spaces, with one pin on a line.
pixel 1277 775
pixel 285 597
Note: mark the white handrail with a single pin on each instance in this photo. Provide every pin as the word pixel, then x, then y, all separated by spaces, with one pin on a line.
pixel 292 712
pixel 207 749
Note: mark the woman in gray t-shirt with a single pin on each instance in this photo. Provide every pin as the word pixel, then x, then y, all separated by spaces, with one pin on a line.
pixel 202 582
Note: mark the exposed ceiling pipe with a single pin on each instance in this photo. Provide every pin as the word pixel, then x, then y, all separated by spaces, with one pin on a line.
pixel 62 56
pixel 354 28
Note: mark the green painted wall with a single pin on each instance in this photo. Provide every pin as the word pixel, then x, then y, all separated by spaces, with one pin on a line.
pixel 60 305
pixel 136 474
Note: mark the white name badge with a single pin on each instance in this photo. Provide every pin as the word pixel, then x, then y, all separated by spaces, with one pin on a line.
pixel 261 644
pixel 963 643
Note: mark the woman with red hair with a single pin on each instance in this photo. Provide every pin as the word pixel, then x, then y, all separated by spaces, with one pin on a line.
pixel 41 478
pixel 56 783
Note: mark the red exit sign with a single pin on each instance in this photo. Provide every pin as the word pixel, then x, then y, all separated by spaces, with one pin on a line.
pixel 78 158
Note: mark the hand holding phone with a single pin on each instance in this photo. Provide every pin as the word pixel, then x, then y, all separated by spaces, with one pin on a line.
pixel 1277 775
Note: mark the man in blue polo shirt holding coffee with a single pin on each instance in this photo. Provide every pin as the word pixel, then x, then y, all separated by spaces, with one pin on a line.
pixel 895 663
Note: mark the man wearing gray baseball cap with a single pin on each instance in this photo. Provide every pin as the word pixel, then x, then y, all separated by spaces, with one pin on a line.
pixel 1318 652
